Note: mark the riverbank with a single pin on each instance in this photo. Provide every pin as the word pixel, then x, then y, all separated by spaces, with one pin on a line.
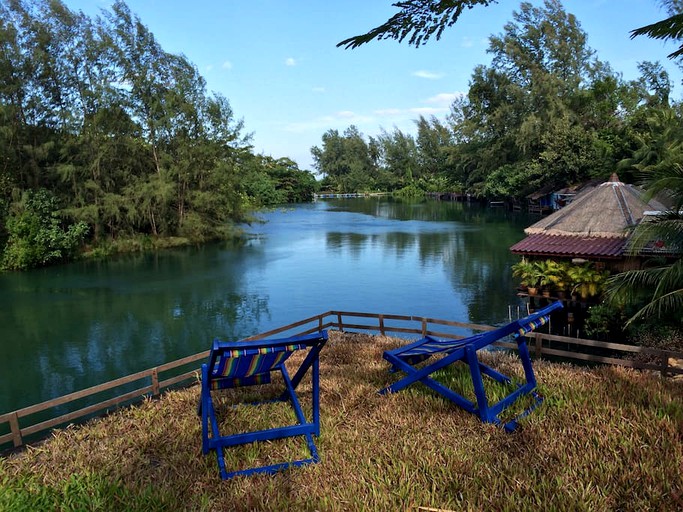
pixel 605 439
pixel 149 243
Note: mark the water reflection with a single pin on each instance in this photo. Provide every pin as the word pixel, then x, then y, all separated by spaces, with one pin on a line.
pixel 71 327
pixel 67 328
pixel 469 242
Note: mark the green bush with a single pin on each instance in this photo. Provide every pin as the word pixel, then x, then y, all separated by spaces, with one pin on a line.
pixel 37 236
pixel 605 322
pixel 411 190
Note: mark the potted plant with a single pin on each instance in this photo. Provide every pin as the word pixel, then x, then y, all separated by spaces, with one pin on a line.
pixel 557 276
pixel 547 270
pixel 529 273
pixel 521 270
pixel 586 281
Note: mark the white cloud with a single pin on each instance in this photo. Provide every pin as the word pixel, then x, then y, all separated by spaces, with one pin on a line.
pixel 290 61
pixel 403 118
pixel 318 89
pixel 227 65
pixel 444 99
pixel 427 74
pixel 209 67
pixel 467 42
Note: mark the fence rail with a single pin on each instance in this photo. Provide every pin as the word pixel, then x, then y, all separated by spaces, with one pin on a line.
pixel 153 381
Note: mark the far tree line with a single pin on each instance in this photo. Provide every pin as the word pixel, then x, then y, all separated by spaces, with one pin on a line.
pixel 108 140
pixel 545 112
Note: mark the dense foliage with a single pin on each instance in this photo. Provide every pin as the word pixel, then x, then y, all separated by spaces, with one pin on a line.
pixel 97 118
pixel 548 113
pixel 545 112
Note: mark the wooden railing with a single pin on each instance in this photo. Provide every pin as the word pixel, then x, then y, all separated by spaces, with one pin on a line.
pixel 153 381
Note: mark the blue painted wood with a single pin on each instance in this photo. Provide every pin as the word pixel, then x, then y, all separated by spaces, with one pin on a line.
pixel 465 350
pixel 244 354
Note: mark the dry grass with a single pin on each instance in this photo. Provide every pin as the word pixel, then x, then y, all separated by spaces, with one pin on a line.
pixel 605 439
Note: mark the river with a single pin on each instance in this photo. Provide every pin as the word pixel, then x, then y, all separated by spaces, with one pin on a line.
pixel 69 327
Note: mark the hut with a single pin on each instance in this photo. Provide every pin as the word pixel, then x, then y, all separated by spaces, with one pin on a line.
pixel 595 227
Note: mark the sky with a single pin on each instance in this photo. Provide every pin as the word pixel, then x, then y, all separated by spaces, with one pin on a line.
pixel 277 62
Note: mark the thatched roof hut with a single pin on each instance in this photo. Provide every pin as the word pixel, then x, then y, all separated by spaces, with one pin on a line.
pixel 595 225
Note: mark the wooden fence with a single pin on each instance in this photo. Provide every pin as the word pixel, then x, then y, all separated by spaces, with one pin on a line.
pixel 151 382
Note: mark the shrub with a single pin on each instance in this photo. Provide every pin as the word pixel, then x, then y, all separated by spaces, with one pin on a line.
pixel 605 322
pixel 37 236
pixel 411 190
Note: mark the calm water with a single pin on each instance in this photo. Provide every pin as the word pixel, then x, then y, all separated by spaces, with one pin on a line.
pixel 69 327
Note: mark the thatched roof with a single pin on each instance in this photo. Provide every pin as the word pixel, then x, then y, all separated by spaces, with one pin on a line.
pixel 608 210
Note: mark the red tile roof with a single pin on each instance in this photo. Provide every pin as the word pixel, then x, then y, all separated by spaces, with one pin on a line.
pixel 570 246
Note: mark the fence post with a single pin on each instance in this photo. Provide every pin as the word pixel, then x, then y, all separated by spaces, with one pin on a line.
pixel 340 324
pixel 381 324
pixel 320 322
pixel 538 346
pixel 664 364
pixel 16 431
pixel 155 382
pixel 424 327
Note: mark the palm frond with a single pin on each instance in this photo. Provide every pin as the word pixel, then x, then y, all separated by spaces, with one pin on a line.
pixel 417 19
pixel 625 283
pixel 665 230
pixel 660 307
pixel 669 28
pixel 658 292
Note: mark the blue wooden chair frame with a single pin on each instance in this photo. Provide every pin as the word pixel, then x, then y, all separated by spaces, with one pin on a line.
pixel 249 363
pixel 465 350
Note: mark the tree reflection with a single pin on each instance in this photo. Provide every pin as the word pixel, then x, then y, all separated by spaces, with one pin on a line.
pixel 68 328
pixel 472 245
pixel 107 319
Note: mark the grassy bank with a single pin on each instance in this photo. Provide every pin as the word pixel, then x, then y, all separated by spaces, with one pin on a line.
pixel 605 439
pixel 148 243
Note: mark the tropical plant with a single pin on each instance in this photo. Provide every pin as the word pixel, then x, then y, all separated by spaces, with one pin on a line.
pixel 557 275
pixel 670 28
pixel 524 269
pixel 586 280
pixel 528 272
pixel 657 290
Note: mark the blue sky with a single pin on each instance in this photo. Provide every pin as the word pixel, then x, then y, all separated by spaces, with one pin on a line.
pixel 277 63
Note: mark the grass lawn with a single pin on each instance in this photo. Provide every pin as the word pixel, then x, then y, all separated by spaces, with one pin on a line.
pixel 604 439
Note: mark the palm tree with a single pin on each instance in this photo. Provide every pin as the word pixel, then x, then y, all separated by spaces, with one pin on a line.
pixel 670 28
pixel 656 291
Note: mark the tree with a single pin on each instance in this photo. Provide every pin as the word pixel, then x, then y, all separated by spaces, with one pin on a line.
pixel 346 161
pixel 419 19
pixel 434 140
pixel 269 181
pixel 526 121
pixel 399 155
pixel 122 133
